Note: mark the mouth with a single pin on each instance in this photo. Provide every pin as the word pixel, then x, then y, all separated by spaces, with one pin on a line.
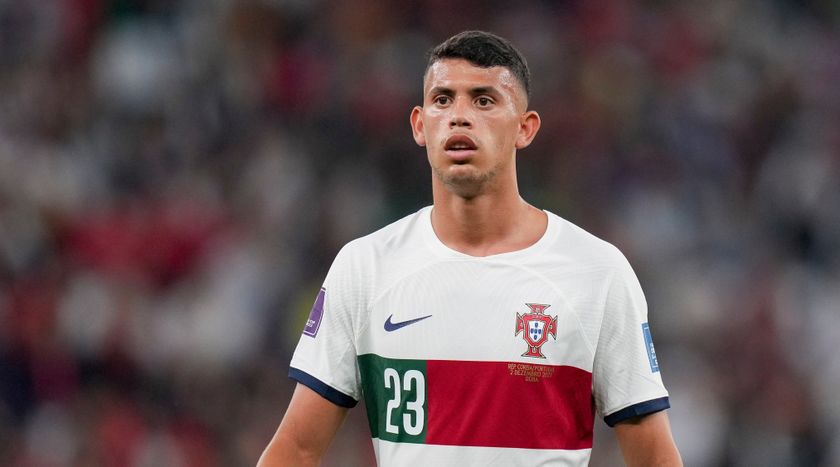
pixel 460 147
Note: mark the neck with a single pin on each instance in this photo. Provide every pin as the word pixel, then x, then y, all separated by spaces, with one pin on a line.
pixel 487 224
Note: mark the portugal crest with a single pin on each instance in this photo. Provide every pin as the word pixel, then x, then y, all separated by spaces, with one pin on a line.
pixel 536 326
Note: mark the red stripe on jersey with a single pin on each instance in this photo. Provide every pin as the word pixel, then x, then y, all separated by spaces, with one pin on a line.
pixel 513 405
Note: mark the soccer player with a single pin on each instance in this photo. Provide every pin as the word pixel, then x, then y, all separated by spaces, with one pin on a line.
pixel 480 330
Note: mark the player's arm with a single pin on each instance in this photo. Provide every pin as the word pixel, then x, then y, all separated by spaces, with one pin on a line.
pixel 647 441
pixel 306 431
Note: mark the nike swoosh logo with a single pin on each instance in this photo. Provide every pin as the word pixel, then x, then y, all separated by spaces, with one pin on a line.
pixel 391 326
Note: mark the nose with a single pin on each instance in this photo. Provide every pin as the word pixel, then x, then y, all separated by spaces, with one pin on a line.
pixel 460 114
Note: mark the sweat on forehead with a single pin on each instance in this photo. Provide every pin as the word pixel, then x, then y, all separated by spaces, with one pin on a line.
pixel 485 50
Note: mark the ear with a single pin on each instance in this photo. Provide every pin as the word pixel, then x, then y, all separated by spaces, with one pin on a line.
pixel 529 125
pixel 417 126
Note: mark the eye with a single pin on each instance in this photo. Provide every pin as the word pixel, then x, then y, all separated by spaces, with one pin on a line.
pixel 442 100
pixel 483 101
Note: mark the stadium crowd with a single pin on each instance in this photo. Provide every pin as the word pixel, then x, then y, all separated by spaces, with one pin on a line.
pixel 175 178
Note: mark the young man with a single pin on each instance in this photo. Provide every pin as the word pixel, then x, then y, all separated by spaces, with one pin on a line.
pixel 480 330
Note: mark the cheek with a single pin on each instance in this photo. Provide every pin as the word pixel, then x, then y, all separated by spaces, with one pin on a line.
pixel 434 123
pixel 505 133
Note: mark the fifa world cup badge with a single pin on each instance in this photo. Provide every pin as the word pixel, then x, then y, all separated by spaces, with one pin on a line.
pixel 536 326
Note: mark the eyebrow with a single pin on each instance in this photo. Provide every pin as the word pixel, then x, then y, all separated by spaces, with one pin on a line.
pixel 477 91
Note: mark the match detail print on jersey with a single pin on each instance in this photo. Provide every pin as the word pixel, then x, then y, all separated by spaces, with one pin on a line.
pixel 473 403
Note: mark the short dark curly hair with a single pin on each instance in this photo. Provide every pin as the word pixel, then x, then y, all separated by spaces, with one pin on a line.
pixel 485 50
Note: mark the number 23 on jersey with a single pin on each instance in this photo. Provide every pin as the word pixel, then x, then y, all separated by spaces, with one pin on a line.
pixel 395 398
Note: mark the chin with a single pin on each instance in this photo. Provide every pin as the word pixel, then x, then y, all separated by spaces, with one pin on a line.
pixel 466 182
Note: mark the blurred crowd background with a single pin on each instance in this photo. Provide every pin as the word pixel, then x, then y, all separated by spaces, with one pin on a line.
pixel 176 177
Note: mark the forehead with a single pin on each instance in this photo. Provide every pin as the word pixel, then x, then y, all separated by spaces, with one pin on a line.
pixel 458 73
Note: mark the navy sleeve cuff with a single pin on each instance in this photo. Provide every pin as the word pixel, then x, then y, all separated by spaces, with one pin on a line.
pixel 637 410
pixel 327 392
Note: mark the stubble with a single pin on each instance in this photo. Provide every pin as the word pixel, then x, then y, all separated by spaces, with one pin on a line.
pixel 467 185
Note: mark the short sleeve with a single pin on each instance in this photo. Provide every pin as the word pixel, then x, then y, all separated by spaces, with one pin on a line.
pixel 325 357
pixel 626 378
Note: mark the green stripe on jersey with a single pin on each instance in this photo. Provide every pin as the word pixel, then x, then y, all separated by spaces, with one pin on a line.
pixel 396 398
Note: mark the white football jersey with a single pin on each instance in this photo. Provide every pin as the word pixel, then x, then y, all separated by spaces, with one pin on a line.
pixel 496 360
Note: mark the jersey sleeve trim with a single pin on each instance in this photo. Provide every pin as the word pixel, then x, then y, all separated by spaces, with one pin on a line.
pixel 636 410
pixel 326 391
